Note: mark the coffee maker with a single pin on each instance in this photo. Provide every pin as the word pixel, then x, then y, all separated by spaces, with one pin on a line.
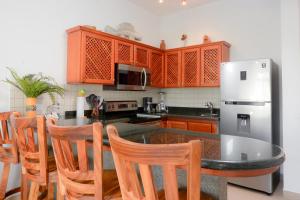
pixel 147 104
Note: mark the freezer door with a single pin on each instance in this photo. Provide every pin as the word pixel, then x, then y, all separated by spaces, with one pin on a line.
pixel 252 120
pixel 246 80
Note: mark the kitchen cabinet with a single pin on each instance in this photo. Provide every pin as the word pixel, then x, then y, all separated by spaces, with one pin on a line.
pixel 141 56
pixel 197 125
pixel 92 55
pixel 177 124
pixel 191 67
pixel 173 69
pixel 157 68
pixel 211 58
pixel 123 52
pixel 90 58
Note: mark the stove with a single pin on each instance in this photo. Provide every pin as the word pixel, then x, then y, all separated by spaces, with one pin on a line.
pixel 125 111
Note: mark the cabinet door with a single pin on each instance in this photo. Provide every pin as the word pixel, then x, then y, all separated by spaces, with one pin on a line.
pixel 98 59
pixel 191 67
pixel 157 68
pixel 214 128
pixel 177 124
pixel 141 56
pixel 173 69
pixel 123 52
pixel 199 127
pixel 210 65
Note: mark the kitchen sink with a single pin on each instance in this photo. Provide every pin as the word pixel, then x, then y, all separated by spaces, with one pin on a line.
pixel 209 115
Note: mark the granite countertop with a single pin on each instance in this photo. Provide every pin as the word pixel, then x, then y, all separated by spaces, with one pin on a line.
pixel 222 152
pixel 189 113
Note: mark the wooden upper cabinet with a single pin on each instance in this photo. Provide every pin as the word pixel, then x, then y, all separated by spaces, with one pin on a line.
pixel 123 52
pixel 191 67
pixel 141 56
pixel 211 58
pixel 90 58
pixel 157 68
pixel 173 68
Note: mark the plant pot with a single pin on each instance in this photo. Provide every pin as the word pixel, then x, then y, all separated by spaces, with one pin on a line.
pixel 31 107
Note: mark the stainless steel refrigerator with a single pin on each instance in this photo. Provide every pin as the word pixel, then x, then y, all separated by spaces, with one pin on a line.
pixel 249 108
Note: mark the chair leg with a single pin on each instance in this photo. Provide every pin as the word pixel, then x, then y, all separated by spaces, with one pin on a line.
pixel 24 188
pixel 59 195
pixel 34 191
pixel 4 179
pixel 50 192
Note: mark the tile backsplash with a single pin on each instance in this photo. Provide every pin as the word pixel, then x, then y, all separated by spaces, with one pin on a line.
pixel 179 97
pixel 192 97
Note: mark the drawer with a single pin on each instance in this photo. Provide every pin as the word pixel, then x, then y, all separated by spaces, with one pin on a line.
pixel 177 124
pixel 200 127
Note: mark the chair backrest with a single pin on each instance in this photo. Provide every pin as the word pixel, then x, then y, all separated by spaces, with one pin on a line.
pixel 127 155
pixel 30 133
pixel 71 145
pixel 8 146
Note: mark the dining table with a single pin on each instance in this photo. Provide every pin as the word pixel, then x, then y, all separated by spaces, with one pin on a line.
pixel 223 156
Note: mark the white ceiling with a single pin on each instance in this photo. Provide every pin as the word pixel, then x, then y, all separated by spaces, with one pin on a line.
pixel 169 6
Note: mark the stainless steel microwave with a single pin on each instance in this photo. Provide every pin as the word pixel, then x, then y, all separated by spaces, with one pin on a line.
pixel 128 77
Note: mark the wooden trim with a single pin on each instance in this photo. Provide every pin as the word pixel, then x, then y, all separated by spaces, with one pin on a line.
pixel 239 173
pixel 82 28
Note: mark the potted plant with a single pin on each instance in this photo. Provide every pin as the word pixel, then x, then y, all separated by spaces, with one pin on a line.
pixel 34 85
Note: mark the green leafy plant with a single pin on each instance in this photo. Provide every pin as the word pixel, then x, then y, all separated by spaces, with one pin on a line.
pixel 34 85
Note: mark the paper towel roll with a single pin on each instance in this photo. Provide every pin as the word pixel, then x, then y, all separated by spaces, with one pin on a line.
pixel 80 107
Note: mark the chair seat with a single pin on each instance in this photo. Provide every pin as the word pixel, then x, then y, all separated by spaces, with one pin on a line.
pixel 111 188
pixel 183 195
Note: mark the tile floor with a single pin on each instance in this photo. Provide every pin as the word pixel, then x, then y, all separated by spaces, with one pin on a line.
pixel 239 193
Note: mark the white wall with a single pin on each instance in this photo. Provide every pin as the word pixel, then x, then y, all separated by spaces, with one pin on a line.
pixel 291 93
pixel 252 27
pixel 33 37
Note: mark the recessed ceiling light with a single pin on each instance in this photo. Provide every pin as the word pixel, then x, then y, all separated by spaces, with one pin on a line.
pixel 160 1
pixel 183 2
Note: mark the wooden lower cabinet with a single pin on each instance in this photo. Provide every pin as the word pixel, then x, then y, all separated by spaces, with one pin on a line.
pixel 204 126
pixel 177 124
pixel 199 127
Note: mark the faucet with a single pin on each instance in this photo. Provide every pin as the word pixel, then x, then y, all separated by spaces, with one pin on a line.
pixel 210 106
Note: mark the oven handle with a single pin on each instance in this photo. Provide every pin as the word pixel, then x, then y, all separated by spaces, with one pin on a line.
pixel 145 80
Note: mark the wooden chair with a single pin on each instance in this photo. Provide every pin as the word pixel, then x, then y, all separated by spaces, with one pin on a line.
pixel 127 154
pixel 38 167
pixel 80 176
pixel 8 154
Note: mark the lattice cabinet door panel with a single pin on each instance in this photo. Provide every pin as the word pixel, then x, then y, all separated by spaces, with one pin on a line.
pixel 123 52
pixel 191 67
pixel 211 58
pixel 98 59
pixel 157 68
pixel 141 56
pixel 173 69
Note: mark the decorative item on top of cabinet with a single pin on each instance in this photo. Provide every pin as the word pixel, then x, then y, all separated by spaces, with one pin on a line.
pixel 123 52
pixel 157 68
pixel 206 39
pixel 211 58
pixel 141 56
pixel 191 67
pixel 184 39
pixel 163 45
pixel 173 69
pixel 90 58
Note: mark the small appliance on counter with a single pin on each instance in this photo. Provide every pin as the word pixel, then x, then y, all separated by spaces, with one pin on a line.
pixel 147 104
pixel 161 106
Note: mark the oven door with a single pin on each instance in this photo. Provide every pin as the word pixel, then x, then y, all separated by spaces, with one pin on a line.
pixel 132 78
